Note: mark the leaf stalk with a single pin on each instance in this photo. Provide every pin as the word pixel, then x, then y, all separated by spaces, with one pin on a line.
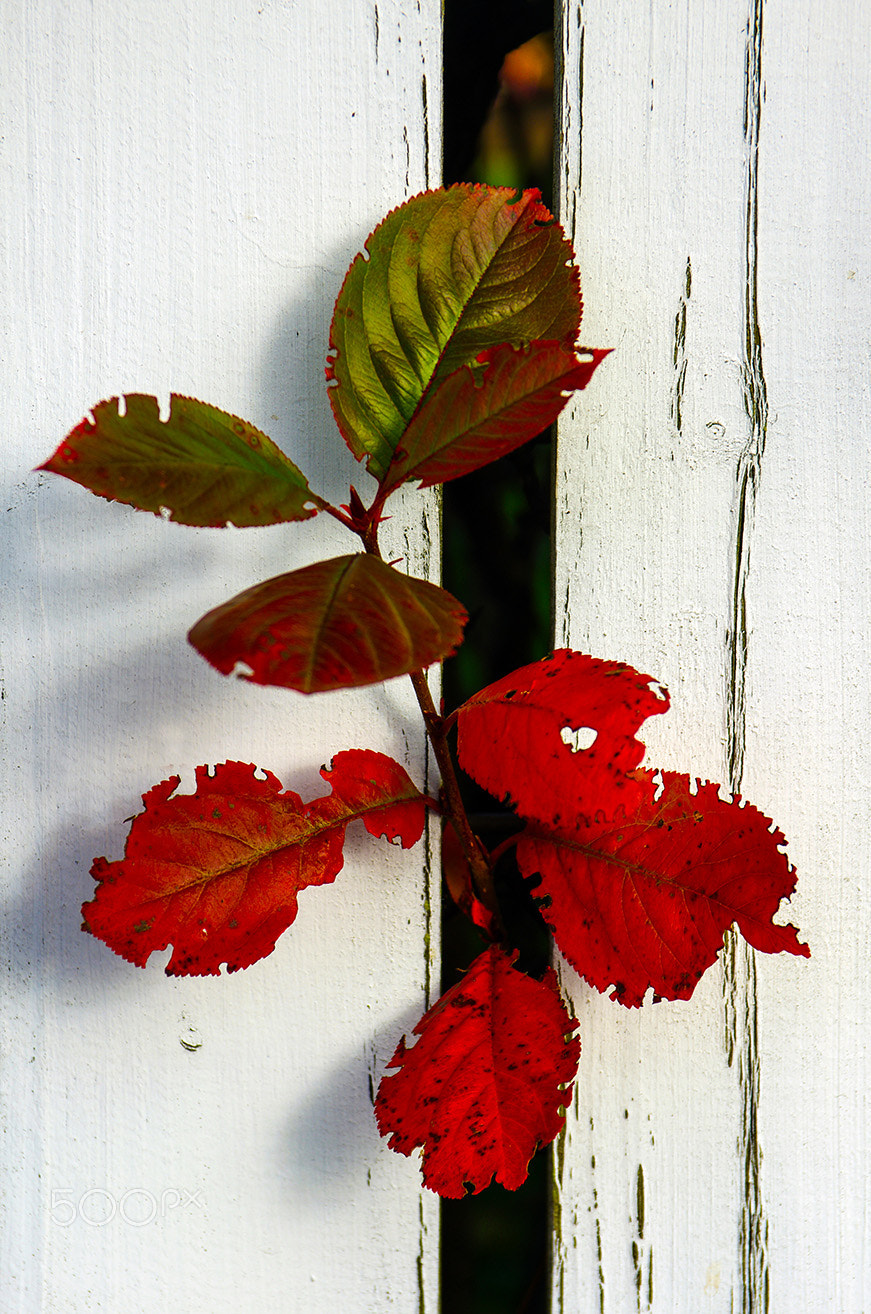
pixel 437 726
pixel 454 809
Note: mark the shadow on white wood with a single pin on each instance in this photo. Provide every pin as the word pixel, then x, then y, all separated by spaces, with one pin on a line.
pixel 184 187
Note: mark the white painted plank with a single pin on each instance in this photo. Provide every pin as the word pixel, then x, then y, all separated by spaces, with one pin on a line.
pixel 183 188
pixel 809 614
pixel 659 1202
pixel 756 1194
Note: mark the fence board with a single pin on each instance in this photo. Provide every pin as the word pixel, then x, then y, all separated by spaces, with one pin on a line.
pixel 184 186
pixel 809 609
pixel 712 530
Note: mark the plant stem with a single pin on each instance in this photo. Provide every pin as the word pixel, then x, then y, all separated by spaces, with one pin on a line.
pixel 436 728
pixel 479 864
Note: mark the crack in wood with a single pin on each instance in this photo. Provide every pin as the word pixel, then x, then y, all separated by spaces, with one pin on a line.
pixel 422 1233
pixel 425 103
pixel 739 984
pixel 680 350
pixel 642 1254
pixel 429 889
pixel 568 138
pixel 557 1252
pixel 599 1251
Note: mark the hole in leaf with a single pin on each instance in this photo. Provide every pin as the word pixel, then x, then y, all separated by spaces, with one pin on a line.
pixel 579 740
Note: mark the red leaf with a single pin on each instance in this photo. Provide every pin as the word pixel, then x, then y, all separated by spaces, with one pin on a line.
pixel 346 622
pixel 461 885
pixel 364 779
pixel 481 412
pixel 643 900
pixel 217 873
pixel 510 734
pixel 204 466
pixel 488 1080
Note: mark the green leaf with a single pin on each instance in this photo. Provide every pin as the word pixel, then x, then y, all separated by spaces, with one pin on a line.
pixel 478 414
pixel 334 625
pixel 204 466
pixel 446 276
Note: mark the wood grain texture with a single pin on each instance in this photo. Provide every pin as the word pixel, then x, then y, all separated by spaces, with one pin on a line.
pixel 183 188
pixel 808 707
pixel 713 530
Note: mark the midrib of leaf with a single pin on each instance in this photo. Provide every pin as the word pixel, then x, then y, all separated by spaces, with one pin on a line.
pixel 434 377
pixel 389 603
pixel 489 418
pixel 279 468
pixel 325 615
pixel 632 868
pixel 638 871
pixel 322 826
pixel 179 449
pixel 618 950
pixel 484 1056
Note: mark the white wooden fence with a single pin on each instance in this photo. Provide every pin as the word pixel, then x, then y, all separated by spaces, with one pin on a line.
pixel 714 524
pixel 183 187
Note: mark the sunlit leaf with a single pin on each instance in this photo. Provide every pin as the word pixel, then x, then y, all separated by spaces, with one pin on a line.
pixel 487 1081
pixel 201 465
pixel 557 738
pixel 380 792
pixel 217 873
pixel 344 622
pixel 446 276
pixel 481 412
pixel 642 900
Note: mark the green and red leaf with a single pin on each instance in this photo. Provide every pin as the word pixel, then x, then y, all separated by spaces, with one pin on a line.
pixel 487 1081
pixel 642 900
pixel 217 873
pixel 202 465
pixel 446 276
pixel 485 410
pixel 532 715
pixel 336 624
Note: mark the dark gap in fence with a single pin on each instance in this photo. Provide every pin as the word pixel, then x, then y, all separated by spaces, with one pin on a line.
pixel 498 128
